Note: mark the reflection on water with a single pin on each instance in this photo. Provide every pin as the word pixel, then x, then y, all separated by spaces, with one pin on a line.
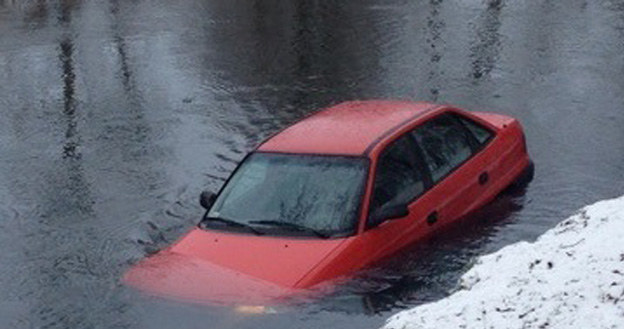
pixel 117 113
pixel 435 25
pixel 486 48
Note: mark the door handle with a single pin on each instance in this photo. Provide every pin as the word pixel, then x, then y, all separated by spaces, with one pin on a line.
pixel 483 178
pixel 432 218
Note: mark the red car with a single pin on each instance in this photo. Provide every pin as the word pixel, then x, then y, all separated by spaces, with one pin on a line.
pixel 335 192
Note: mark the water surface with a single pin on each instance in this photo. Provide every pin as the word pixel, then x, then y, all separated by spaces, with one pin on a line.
pixel 114 115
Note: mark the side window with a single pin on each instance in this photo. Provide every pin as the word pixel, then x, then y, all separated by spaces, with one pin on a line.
pixel 481 134
pixel 444 143
pixel 398 179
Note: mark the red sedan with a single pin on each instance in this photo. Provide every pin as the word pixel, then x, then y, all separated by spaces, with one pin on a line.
pixel 334 193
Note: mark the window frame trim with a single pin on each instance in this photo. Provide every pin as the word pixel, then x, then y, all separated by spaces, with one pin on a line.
pixel 477 145
pixel 468 135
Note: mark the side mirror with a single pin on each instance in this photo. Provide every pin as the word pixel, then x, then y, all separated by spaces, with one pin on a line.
pixel 206 199
pixel 394 212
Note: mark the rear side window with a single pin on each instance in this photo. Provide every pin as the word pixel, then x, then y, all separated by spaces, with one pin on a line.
pixel 398 179
pixel 481 134
pixel 445 145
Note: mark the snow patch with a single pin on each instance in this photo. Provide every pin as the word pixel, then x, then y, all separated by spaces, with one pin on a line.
pixel 571 277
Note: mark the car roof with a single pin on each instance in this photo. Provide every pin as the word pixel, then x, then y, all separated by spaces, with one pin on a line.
pixel 349 128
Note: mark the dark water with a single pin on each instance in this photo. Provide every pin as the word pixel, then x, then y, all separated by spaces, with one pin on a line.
pixel 115 114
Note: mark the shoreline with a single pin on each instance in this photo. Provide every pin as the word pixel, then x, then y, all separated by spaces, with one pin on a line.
pixel 571 276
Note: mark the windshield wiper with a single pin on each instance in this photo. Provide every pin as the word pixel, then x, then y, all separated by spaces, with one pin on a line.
pixel 294 226
pixel 231 223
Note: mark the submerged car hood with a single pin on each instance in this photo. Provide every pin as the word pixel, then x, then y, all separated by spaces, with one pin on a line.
pixel 220 266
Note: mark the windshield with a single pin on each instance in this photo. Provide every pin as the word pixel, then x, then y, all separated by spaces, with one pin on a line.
pixel 320 193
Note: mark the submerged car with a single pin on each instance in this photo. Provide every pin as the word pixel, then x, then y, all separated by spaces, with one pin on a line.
pixel 334 193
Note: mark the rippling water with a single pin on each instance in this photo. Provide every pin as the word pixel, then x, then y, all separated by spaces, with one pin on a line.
pixel 114 115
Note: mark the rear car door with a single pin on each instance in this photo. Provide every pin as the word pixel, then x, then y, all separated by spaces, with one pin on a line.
pixel 452 150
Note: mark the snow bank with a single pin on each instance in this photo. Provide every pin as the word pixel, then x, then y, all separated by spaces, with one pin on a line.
pixel 571 277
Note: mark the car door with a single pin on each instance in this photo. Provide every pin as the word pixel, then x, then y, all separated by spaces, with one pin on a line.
pixel 400 178
pixel 459 170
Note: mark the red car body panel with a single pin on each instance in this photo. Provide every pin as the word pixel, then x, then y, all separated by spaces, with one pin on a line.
pixel 224 266
pixel 188 278
pixel 285 264
pixel 347 128
pixel 227 249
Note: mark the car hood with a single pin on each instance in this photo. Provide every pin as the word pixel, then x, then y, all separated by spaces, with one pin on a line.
pixel 227 267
